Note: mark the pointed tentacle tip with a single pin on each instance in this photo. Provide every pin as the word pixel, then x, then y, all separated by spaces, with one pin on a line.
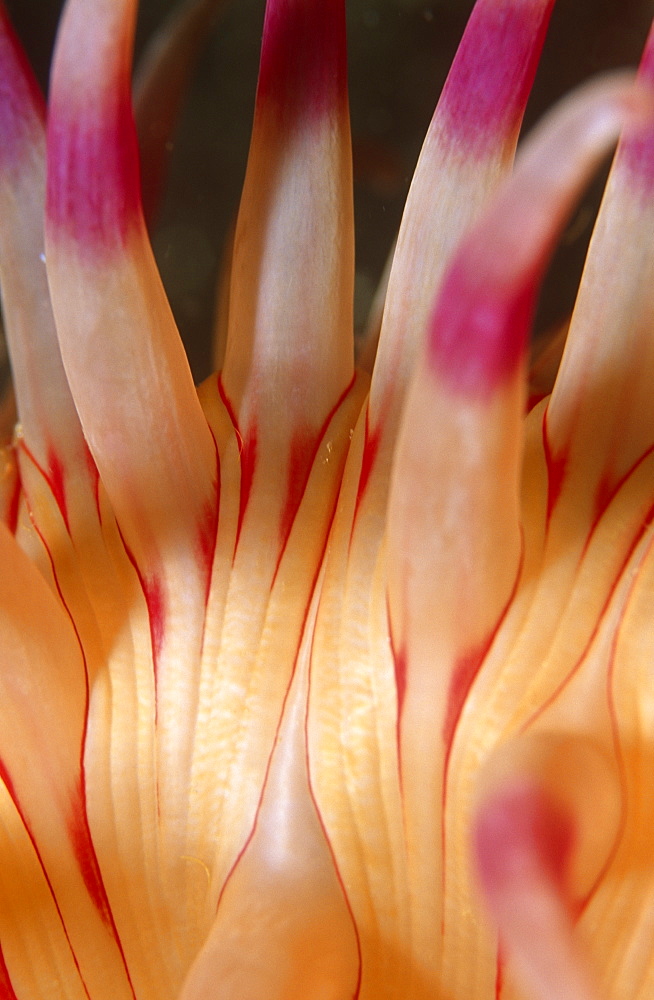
pixel 477 336
pixel 303 69
pixel 485 94
pixel 93 186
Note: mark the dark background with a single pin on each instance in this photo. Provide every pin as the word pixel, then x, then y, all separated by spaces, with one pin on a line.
pixel 399 53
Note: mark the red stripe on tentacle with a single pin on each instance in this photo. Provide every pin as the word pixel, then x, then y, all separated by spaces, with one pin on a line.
pixel 642 528
pixel 556 469
pixel 303 451
pixel 54 475
pixel 607 488
pixel 463 677
pixel 371 442
pixel 248 458
pixel 6 988
pixel 208 532
pixel 5 777
pixel 77 824
pixel 56 478
pixel 155 599
pixel 247 451
pixel 13 507
pixel 330 848
pixel 400 664
pixel 80 836
pixel 82 841
pixel 499 973
pixel 153 591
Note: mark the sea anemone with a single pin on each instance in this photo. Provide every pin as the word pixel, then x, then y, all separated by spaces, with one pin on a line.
pixel 315 684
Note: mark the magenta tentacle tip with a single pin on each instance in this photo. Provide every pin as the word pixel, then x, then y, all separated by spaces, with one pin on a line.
pixel 487 89
pixel 21 100
pixel 303 69
pixel 522 832
pixel 637 150
pixel 478 332
pixel 93 190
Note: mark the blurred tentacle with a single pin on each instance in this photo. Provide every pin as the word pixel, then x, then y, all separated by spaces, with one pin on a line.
pixel 50 427
pixel 600 420
pixel 448 588
pixel 468 149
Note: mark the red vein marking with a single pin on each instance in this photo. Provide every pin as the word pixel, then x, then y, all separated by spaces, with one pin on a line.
pixel 5 777
pixel 301 455
pixel 463 677
pixel 99 896
pixel 642 528
pixel 253 829
pixel 400 672
pixel 606 489
pixel 95 479
pixel 464 673
pixel 54 478
pixel 323 827
pixel 281 715
pixel 153 591
pixel 304 449
pixel 615 732
pixel 499 973
pixel 556 471
pixel 371 442
pixel 6 988
pixel 617 748
pixel 13 506
pixel 208 532
pixel 533 399
pixel 247 456
pixel 79 832
pixel 80 837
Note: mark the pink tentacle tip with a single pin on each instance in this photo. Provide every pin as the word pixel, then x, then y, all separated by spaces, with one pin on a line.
pixel 477 338
pixel 487 89
pixel 21 100
pixel 522 835
pixel 94 186
pixel 637 148
pixel 303 69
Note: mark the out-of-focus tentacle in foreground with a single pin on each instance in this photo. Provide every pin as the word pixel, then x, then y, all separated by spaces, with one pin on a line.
pixel 313 684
